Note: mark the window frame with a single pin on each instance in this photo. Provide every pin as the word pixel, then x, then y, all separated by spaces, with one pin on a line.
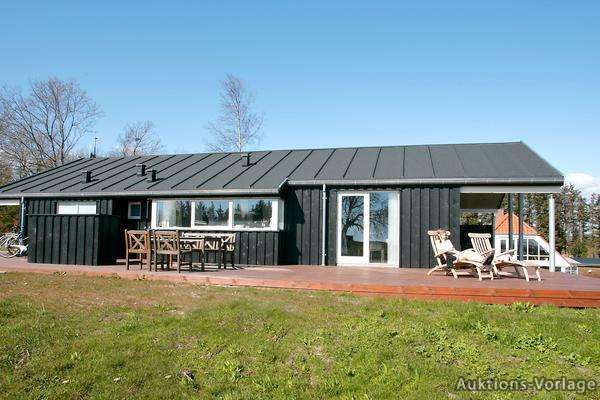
pixel 277 215
pixel 129 204
pixel 77 205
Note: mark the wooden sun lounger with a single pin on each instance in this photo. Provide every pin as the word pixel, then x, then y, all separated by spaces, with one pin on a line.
pixel 481 242
pixel 447 265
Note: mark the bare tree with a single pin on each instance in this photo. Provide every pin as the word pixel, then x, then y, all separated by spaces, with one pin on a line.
pixel 42 128
pixel 237 126
pixel 138 138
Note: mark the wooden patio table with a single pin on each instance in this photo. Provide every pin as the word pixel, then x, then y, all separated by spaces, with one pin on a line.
pixel 196 240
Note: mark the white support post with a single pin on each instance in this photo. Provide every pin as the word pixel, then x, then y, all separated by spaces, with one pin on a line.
pixel 551 233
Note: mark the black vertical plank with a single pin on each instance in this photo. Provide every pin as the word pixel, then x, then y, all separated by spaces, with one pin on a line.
pixel 444 209
pixel 89 240
pixel 72 238
pixel 277 239
pixel 57 241
pixel 48 236
pixel 399 227
pixel 320 237
pixel 300 219
pixel 270 250
pixel 244 248
pixel 260 248
pixel 455 216
pixel 252 248
pixel 80 229
pixel 424 246
pixel 315 227
pixel 415 227
pixel 405 220
pixel 434 208
pixel 434 218
pixel 332 227
pixel 33 240
pixel 64 239
pixel 306 228
pixel 238 247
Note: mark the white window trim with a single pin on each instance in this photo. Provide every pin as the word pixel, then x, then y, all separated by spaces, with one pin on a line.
pixel 129 216
pixel 277 216
pixel 364 259
pixel 77 205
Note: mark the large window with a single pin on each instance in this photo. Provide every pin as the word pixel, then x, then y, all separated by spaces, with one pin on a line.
pixel 76 207
pixel 218 214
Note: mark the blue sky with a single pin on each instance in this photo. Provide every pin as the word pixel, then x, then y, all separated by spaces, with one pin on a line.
pixel 334 74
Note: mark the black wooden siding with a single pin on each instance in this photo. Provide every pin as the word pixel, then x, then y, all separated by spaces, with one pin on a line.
pixel 303 226
pixel 72 239
pixel 48 206
pixel 253 247
pixel 420 209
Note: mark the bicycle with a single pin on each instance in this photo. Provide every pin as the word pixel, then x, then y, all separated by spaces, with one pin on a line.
pixel 12 245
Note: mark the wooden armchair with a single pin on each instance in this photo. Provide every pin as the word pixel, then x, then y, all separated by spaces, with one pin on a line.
pixel 212 244
pixel 228 249
pixel 481 242
pixel 138 242
pixel 168 245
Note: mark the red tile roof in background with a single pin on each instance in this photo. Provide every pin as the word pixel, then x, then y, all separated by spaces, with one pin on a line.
pixel 502 225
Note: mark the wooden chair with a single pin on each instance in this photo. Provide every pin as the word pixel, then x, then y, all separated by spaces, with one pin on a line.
pixel 228 249
pixel 196 245
pixel 168 244
pixel 450 260
pixel 212 244
pixel 481 242
pixel 138 242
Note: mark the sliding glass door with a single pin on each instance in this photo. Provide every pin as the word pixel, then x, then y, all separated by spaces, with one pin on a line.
pixel 367 228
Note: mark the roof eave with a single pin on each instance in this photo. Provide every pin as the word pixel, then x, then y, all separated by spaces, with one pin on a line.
pixel 147 193
pixel 551 181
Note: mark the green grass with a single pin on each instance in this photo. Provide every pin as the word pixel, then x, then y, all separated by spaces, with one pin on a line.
pixel 74 337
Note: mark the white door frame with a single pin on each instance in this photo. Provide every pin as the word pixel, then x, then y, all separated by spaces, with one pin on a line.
pixel 364 259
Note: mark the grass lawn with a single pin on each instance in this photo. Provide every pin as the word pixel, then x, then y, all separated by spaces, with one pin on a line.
pixel 74 337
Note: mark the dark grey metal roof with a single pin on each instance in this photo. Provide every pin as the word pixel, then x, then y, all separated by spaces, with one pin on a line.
pixel 224 173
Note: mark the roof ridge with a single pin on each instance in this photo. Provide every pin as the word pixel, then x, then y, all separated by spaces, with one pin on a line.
pixel 330 148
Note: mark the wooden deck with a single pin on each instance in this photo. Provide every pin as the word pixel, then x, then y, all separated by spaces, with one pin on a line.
pixel 556 288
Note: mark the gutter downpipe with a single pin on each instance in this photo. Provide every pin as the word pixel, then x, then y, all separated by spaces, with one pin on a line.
pixel 324 226
pixel 22 221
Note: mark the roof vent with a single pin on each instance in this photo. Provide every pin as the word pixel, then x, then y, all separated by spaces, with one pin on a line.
pixel 151 175
pixel 140 169
pixel 86 176
pixel 246 159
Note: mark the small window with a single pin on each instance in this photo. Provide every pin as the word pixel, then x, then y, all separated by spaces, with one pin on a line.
pixel 76 208
pixel 134 210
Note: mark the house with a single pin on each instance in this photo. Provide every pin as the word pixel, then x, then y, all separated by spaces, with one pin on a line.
pixel 337 206
pixel 535 248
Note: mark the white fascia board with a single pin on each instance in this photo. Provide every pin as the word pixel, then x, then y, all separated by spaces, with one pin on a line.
pixel 510 189
pixel 9 202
